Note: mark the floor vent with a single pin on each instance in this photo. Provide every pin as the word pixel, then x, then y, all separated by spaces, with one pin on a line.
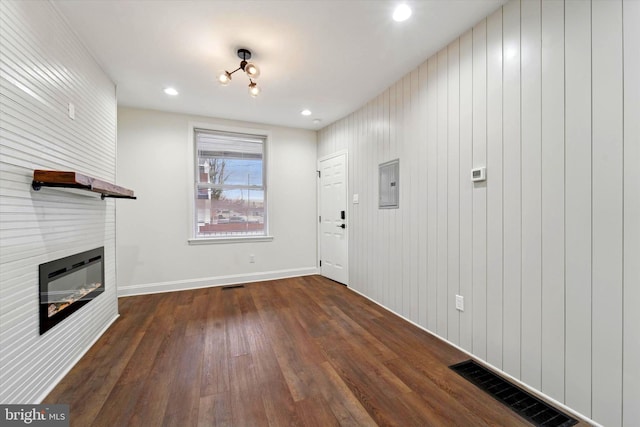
pixel 520 401
pixel 224 288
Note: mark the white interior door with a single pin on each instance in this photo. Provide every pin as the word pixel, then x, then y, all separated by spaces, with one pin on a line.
pixel 333 218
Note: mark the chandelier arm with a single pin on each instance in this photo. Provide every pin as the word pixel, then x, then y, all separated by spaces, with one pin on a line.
pixel 237 69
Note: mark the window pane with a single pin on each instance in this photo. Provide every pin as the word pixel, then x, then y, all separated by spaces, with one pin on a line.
pixel 233 212
pixel 225 171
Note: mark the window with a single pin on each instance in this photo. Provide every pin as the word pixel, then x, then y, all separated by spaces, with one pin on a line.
pixel 230 190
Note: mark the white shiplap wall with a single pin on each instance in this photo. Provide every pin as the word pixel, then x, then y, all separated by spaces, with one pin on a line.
pixel 546 252
pixel 43 68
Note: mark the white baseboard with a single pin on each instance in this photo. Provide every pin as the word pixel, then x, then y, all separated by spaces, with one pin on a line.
pixel 75 361
pixel 182 285
pixel 530 389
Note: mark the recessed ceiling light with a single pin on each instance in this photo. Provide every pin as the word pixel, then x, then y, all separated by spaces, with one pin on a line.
pixel 305 112
pixel 402 13
pixel 317 121
pixel 170 91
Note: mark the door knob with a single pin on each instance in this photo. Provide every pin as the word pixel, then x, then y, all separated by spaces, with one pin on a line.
pixel 342 226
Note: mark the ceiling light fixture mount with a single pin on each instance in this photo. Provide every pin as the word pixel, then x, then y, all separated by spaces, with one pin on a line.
pixel 251 70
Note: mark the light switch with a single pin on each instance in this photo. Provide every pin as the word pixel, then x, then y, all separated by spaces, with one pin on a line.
pixel 355 199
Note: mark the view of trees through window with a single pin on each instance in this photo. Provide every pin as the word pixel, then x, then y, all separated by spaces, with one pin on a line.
pixel 230 190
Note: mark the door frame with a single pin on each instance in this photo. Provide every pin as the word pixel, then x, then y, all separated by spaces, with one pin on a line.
pixel 319 208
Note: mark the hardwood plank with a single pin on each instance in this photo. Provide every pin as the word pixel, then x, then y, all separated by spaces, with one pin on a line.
pixel 215 366
pixel 316 412
pixel 152 400
pixel 246 400
pixel 344 405
pixel 300 351
pixel 184 395
pixel 215 410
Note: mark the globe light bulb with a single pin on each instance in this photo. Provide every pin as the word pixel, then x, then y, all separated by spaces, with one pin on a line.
pixel 224 78
pixel 252 70
pixel 254 90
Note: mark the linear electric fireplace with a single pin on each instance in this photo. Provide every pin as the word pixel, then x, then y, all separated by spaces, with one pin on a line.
pixel 67 284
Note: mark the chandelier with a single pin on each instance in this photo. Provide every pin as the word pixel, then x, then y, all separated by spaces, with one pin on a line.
pixel 251 69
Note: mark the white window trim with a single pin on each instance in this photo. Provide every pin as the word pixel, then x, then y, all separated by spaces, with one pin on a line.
pixel 191 182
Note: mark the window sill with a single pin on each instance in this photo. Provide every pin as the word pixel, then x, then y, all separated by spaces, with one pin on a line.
pixel 217 240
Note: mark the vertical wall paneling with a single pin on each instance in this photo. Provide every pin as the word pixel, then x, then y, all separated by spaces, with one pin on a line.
pixel 400 146
pixel 578 204
pixel 453 192
pixel 432 189
pixel 415 195
pixel 398 153
pixel 545 94
pixel 362 206
pixel 360 187
pixel 368 201
pixel 354 222
pixel 553 199
pixel 531 335
pixel 374 214
pixel 480 190
pixel 372 197
pixel 422 200
pixel 405 182
pixel 631 273
pixel 466 186
pixel 386 228
pixel 441 201
pixel 380 215
pixel 607 210
pixel 351 148
pixel 44 67
pixel 512 205
pixel 494 190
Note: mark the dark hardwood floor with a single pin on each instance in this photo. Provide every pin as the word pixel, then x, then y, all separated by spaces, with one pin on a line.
pixel 301 351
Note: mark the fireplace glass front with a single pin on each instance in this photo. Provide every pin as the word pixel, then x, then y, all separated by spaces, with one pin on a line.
pixel 69 283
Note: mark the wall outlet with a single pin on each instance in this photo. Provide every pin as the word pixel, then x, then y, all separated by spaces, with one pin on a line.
pixel 252 258
pixel 459 302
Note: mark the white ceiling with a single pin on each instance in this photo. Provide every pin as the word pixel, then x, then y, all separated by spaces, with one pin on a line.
pixel 329 56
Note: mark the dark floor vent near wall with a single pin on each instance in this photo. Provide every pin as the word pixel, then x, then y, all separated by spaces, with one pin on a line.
pixel 224 288
pixel 520 401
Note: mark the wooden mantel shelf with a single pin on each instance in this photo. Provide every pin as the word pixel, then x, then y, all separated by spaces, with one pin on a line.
pixel 47 178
